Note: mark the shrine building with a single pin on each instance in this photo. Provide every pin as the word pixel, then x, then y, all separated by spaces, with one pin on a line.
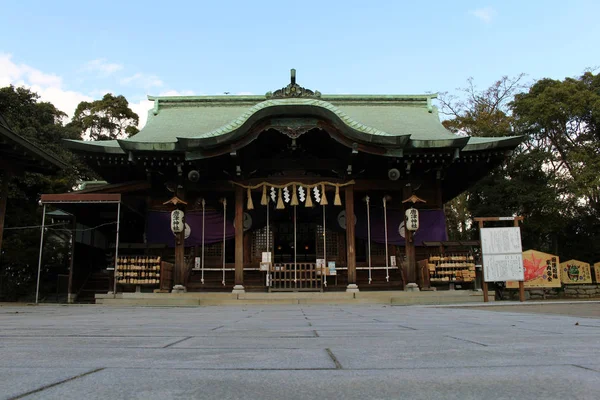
pixel 290 191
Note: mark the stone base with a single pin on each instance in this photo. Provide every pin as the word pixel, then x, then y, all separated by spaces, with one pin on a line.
pixel 411 287
pixel 352 288
pixel 179 289
pixel 238 289
pixel 71 297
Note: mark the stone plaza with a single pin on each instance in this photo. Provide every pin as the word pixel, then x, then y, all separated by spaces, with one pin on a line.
pixel 300 352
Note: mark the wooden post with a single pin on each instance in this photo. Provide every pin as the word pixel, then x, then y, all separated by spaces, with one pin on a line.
pixel 70 297
pixel 239 236
pixel 350 236
pixel 179 270
pixel 484 284
pixel 521 283
pixel 3 201
pixel 409 247
pixel 438 194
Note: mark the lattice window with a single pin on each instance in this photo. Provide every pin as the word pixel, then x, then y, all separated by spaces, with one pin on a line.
pixel 259 241
pixel 213 250
pixel 377 249
pixel 331 240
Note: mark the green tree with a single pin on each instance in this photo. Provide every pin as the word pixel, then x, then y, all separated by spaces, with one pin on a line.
pixel 553 178
pixel 562 120
pixel 42 124
pixel 106 119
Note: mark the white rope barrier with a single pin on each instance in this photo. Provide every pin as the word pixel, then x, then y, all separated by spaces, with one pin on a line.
pixel 224 236
pixel 387 273
pixel 369 236
pixel 324 247
pixel 203 241
pixel 295 250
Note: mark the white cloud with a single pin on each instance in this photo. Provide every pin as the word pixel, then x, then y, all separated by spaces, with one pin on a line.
pixel 47 86
pixel 177 93
pixel 50 87
pixel 141 108
pixel 102 67
pixel 142 80
pixel 485 14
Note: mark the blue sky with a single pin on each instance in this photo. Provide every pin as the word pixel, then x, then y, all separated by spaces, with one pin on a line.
pixel 70 51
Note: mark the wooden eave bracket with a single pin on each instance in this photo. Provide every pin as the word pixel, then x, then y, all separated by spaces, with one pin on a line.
pixel 414 199
pixel 175 200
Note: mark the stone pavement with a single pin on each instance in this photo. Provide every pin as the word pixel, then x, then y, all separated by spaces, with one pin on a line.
pixel 296 352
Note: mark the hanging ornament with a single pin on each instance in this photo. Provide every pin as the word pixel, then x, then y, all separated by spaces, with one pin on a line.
pixel 309 202
pixel 302 194
pixel 264 200
pixel 286 195
pixel 273 194
pixel 294 196
pixel 337 201
pixel 323 196
pixel 280 205
pixel 250 204
pixel 317 194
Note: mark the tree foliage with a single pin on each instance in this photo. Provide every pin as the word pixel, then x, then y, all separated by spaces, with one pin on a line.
pixel 553 178
pixel 106 119
pixel 42 124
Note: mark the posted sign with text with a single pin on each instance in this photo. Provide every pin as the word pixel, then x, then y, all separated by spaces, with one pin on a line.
pixel 502 254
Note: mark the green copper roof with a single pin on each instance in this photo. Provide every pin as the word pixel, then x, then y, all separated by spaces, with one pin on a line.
pixel 192 123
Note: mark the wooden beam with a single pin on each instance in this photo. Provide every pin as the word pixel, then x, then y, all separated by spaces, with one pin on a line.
pixel 487 219
pixel 81 198
pixel 350 235
pixel 239 235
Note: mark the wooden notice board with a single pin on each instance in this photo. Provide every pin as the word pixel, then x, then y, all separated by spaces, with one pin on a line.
pixel 502 254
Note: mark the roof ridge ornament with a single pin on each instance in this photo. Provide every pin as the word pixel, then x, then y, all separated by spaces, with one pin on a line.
pixel 293 90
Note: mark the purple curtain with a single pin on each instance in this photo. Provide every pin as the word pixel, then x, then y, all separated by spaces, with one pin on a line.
pixel 432 225
pixel 158 229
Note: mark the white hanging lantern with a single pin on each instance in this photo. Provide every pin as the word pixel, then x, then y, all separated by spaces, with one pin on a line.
pixel 177 224
pixel 412 219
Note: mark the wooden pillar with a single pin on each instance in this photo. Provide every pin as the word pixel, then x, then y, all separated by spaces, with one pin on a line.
pixel 239 237
pixel 350 236
pixel 409 247
pixel 180 268
pixel 3 200
pixel 438 194
pixel 70 294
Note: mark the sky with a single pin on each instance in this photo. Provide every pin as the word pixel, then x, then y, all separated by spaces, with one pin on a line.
pixel 71 51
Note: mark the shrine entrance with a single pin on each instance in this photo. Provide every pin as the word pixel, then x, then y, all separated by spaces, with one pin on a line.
pixel 297 233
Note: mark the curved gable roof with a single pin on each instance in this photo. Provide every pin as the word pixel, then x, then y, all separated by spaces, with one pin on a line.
pixel 192 123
